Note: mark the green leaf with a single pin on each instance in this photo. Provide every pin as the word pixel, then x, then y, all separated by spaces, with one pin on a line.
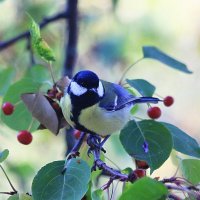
pixel 180 140
pixel 155 53
pixel 34 30
pixel 25 197
pixel 159 140
pixel 145 189
pixel 51 184
pixel 3 155
pixel 127 170
pixel 44 50
pixel 134 109
pixel 21 117
pixel 190 169
pixel 142 86
pixel 39 44
pixel 20 197
pixel 6 78
pixel 38 73
pixel 14 197
pixel 97 195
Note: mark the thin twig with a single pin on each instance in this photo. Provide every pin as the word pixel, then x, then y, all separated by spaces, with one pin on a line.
pixel 179 188
pixel 11 185
pixel 9 193
pixel 26 34
pixel 127 69
pixel 51 72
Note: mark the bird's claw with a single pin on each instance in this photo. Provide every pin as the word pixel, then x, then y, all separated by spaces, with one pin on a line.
pixel 94 167
pixel 94 142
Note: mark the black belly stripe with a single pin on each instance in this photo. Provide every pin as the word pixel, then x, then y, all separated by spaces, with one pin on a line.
pixel 79 103
pixel 75 118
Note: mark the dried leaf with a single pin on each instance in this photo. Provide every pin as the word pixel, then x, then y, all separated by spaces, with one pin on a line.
pixel 42 110
pixel 63 83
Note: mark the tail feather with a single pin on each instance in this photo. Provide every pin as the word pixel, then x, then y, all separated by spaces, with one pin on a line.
pixel 146 100
pixel 136 100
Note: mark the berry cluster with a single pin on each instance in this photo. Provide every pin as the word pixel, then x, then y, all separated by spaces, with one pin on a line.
pixel 24 136
pixel 155 112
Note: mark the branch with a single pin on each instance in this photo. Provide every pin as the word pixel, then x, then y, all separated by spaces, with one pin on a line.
pixel 113 173
pixel 70 54
pixel 181 184
pixel 26 34
pixel 71 43
pixel 8 193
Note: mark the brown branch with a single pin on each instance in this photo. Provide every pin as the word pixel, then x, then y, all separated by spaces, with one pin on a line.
pixel 70 55
pixel 26 34
pixel 113 173
pixel 71 43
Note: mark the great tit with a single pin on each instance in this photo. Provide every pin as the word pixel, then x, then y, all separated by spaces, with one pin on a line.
pixel 98 107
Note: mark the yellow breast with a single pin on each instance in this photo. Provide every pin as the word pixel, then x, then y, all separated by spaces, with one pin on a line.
pixel 96 119
pixel 104 122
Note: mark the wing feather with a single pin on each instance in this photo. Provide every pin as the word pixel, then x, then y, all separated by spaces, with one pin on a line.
pixel 116 97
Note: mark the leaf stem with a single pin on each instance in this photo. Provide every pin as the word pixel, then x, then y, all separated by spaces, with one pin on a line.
pixel 112 162
pixel 11 185
pixel 127 69
pixel 31 124
pixel 51 72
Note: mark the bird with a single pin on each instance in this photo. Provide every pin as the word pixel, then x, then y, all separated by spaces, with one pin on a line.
pixel 98 107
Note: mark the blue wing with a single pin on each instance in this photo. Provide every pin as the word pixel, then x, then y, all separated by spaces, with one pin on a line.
pixel 116 97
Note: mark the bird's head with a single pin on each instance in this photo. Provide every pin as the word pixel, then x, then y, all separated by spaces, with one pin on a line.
pixel 86 88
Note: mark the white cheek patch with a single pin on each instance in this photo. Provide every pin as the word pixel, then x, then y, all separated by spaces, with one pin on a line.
pixel 100 89
pixel 76 89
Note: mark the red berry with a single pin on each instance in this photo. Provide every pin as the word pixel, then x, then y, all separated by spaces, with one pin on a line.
pixel 25 137
pixel 77 134
pixel 154 112
pixel 59 95
pixel 8 108
pixel 140 173
pixel 141 164
pixel 168 101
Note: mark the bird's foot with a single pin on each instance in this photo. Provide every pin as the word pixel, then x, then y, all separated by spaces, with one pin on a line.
pixel 94 142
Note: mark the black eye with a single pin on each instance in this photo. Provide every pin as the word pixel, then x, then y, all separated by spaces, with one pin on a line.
pixel 82 83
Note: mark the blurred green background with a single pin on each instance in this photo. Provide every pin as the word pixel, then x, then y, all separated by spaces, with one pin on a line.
pixel 110 39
